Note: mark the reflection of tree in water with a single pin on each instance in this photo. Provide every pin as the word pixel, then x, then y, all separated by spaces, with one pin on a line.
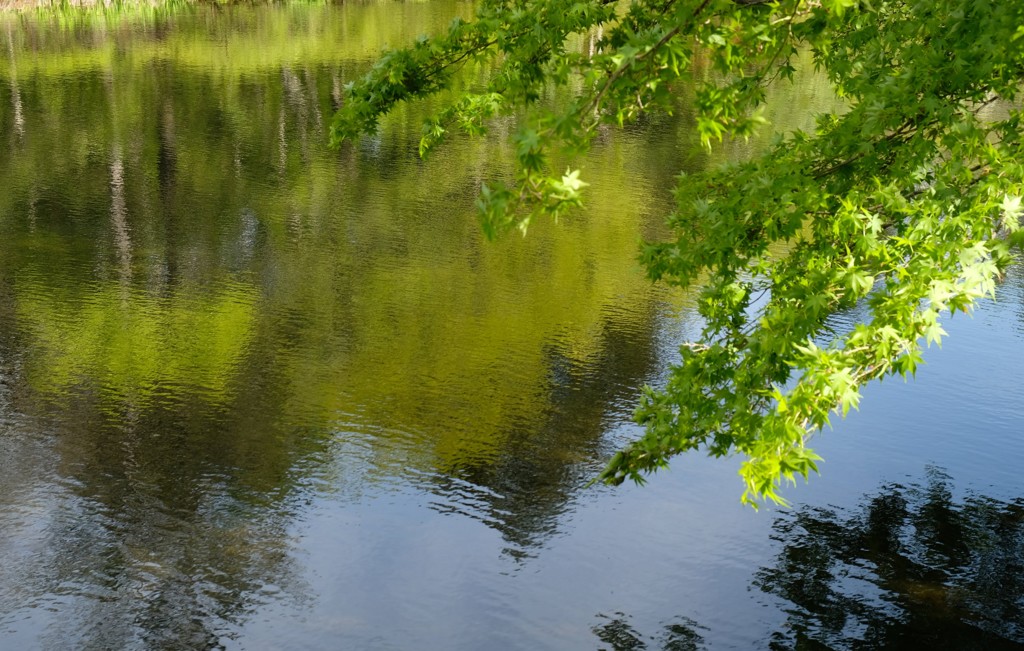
pixel 523 492
pixel 678 635
pixel 149 539
pixel 913 568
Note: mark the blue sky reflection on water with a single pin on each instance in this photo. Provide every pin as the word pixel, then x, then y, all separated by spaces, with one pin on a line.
pixel 682 548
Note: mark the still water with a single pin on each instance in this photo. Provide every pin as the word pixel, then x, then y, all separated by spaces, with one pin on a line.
pixel 257 394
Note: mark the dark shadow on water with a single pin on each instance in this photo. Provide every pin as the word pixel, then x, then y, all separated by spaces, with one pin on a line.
pixel 912 567
pixel 617 634
pixel 916 566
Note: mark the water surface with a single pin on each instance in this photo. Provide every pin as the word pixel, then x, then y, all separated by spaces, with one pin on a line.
pixel 258 394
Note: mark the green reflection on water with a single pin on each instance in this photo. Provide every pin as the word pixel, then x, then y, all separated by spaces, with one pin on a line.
pixel 130 343
pixel 190 158
pixel 204 312
pixel 177 231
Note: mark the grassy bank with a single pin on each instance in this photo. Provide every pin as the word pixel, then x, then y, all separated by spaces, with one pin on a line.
pixel 59 6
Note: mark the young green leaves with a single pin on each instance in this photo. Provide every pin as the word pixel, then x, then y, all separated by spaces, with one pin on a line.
pixel 902 207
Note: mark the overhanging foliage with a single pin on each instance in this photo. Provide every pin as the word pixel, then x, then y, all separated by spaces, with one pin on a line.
pixel 908 202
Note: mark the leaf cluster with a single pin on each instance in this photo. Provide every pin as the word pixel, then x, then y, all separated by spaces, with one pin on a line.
pixel 907 203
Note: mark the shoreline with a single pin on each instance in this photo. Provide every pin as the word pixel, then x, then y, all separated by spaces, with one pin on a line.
pixel 16 6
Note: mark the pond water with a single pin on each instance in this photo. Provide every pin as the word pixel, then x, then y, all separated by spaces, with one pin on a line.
pixel 258 394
